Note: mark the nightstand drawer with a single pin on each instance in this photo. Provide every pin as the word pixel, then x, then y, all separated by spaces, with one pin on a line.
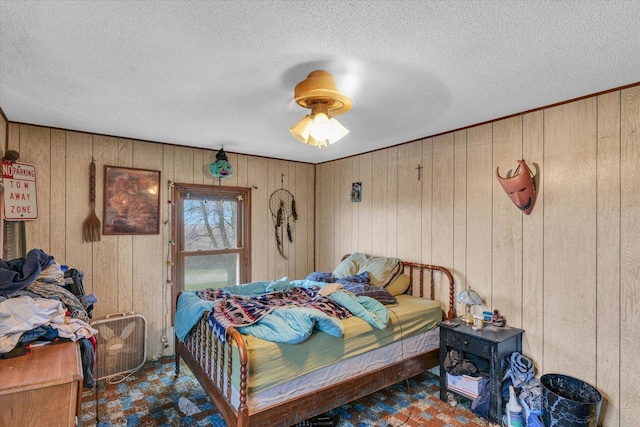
pixel 470 344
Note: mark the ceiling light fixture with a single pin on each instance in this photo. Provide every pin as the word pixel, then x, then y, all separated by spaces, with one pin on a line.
pixel 319 93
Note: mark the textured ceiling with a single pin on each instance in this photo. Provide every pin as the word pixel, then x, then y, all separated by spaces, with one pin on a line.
pixel 222 73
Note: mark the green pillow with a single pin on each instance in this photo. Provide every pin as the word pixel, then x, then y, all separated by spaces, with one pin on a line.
pixel 345 269
pixel 382 270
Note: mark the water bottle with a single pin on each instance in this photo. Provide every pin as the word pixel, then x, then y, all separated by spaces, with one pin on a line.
pixel 514 410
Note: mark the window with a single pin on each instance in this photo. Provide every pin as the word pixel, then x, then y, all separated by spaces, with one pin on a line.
pixel 212 247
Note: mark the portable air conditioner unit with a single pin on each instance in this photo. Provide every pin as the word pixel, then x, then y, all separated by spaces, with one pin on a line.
pixel 122 344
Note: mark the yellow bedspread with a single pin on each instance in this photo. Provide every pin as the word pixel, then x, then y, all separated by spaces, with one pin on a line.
pixel 271 363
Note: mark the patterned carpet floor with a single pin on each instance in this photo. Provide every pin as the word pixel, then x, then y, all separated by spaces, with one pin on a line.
pixel 150 397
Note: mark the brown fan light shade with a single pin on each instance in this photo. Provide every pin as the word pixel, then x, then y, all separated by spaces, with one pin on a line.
pixel 319 93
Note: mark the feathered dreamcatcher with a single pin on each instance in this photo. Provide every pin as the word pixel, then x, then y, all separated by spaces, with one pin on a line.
pixel 283 207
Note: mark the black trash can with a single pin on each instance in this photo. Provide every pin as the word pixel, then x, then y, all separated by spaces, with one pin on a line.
pixel 569 402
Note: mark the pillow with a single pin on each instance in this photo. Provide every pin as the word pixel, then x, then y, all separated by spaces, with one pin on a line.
pixel 382 270
pixel 346 268
pixel 362 289
pixel 399 286
pixel 393 275
pixel 358 278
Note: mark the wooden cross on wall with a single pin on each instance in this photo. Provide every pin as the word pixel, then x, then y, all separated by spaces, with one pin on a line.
pixel 419 170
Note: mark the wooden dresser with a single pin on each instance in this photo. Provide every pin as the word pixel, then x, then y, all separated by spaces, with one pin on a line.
pixel 43 388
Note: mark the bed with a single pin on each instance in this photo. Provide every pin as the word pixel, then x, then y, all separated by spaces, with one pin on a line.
pixel 254 382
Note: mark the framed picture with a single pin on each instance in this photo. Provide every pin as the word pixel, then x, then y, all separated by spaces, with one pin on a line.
pixel 356 192
pixel 131 201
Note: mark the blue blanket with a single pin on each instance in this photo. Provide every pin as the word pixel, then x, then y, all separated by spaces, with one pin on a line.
pixel 290 324
pixel 19 273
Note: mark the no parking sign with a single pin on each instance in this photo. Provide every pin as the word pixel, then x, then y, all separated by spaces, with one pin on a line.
pixel 20 195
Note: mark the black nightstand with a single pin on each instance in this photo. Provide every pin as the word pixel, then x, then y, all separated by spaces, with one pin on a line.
pixel 491 343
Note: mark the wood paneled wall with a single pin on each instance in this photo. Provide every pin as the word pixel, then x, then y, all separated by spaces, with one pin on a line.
pixel 568 274
pixel 130 273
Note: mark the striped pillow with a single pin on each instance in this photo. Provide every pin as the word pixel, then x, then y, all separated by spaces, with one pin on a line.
pixel 358 286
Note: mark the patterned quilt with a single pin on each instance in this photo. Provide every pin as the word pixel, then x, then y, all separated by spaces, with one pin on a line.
pixel 288 314
pixel 240 310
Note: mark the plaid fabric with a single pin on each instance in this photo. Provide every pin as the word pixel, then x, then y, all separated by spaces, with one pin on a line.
pixel 362 289
pixel 359 285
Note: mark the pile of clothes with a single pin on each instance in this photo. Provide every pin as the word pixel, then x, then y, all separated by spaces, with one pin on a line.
pixel 517 371
pixel 43 302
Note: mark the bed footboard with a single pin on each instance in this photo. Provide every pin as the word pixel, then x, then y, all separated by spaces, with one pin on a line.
pixel 211 362
pixel 300 408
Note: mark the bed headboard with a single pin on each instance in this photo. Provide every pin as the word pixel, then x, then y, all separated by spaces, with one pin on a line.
pixel 417 271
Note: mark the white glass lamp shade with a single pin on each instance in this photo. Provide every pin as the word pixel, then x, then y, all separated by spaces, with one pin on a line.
pixel 318 129
pixel 337 131
pixel 301 129
pixel 468 297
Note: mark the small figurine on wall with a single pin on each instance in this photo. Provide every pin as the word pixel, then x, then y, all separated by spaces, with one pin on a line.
pixel 520 187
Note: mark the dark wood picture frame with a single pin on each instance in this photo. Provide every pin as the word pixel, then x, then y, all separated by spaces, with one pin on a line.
pixel 131 201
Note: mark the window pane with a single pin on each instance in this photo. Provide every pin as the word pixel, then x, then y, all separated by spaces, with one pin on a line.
pixel 210 224
pixel 210 271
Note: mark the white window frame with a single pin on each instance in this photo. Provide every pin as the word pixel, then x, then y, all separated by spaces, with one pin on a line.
pixel 211 192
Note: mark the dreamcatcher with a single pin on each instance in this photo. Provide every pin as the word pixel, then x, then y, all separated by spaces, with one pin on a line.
pixel 283 207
